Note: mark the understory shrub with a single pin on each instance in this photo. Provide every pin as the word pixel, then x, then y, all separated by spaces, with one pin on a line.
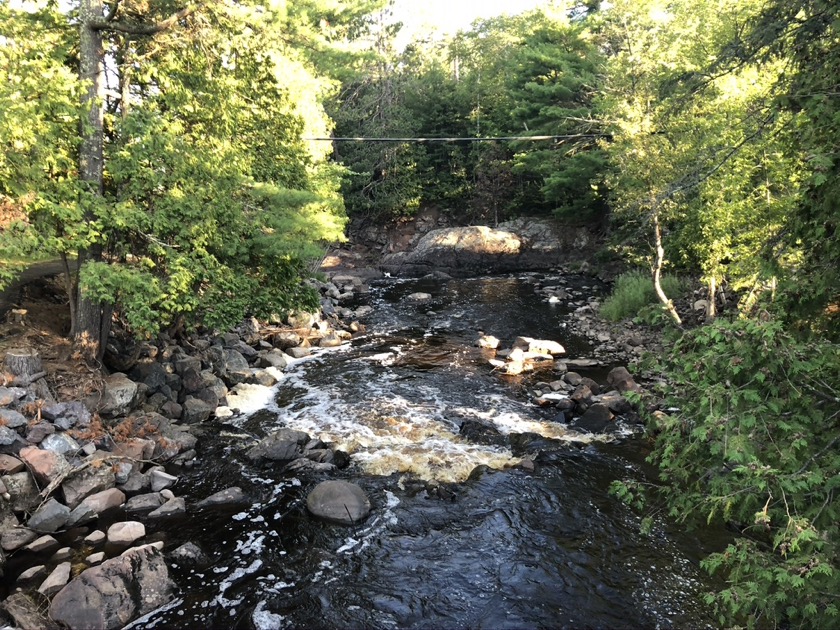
pixel 754 444
pixel 633 291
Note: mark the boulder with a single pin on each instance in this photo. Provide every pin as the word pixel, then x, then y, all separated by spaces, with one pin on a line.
pixel 161 479
pixel 110 595
pixel 36 433
pixel 56 580
pixel 172 507
pixel 143 503
pixel 24 493
pixel 45 466
pixel 27 613
pixel 8 395
pixel 126 533
pixel 488 341
pixel 621 379
pixel 286 339
pixel 44 544
pixel 339 502
pixel 118 398
pixel 12 419
pixel 281 445
pixel 86 482
pixel 95 505
pixel 595 419
pixel 298 352
pixel 229 497
pixel 50 517
pixel 195 411
pixel 15 538
pixel 189 555
pixel 273 358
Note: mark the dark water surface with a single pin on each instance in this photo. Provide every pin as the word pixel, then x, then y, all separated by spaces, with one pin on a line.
pixel 458 536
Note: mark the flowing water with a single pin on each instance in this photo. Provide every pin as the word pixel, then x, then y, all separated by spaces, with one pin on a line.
pixel 461 535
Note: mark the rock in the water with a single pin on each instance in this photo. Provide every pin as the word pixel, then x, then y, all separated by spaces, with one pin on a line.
pixel 622 380
pixel 338 501
pixel 161 479
pixel 419 297
pixel 228 497
pixel 282 445
pixel 595 419
pixel 110 595
pixel 144 503
pixel 190 555
pixel 538 346
pixel 172 507
pixel 44 544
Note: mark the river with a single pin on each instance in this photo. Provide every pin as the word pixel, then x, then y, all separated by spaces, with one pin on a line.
pixel 461 535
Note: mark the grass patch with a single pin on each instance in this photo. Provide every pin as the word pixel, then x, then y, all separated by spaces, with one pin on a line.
pixel 633 291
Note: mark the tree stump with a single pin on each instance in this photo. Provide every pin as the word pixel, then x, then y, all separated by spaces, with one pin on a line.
pixel 23 365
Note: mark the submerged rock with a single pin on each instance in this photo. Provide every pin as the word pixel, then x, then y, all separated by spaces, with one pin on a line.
pixel 339 502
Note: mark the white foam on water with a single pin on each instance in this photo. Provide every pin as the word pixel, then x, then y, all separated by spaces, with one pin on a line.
pixel 146 620
pixel 388 433
pixel 375 529
pixel 231 579
pixel 264 619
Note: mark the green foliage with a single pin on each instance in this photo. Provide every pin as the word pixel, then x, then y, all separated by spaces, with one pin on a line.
pixel 213 204
pixel 754 444
pixel 633 291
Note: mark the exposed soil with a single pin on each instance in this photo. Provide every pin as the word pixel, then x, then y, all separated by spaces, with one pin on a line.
pixel 44 328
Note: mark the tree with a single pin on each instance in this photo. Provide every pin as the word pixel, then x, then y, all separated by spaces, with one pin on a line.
pixel 194 194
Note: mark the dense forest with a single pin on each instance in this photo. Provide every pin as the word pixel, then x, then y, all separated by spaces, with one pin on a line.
pixel 162 150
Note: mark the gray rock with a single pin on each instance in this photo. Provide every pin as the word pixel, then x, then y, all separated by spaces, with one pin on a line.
pixel 12 419
pixel 299 352
pixel 136 482
pixel 10 441
pixel 185 363
pixel 595 419
pixel 262 377
pixel 143 503
pixel 173 507
pixel 8 395
pixel 195 411
pixel 60 443
pixel 50 517
pixel 189 555
pixel 95 505
pixel 15 538
pixel 95 558
pixel 228 497
pixel 86 482
pixel 66 415
pixel 57 580
pixel 36 433
pixel 96 537
pixel 24 493
pixel 118 398
pixel 234 361
pixel 110 595
pixel 44 544
pixel 338 501
pixel 62 555
pixel 33 574
pixel 615 401
pixel 281 445
pixel 161 479
pixel 273 358
pixel 286 339
pixel 126 533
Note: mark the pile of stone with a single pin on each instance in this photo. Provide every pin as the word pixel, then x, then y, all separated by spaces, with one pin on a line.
pixel 589 406
pixel 526 354
pixel 67 468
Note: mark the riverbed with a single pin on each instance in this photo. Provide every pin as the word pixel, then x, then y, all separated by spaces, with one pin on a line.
pixel 508 530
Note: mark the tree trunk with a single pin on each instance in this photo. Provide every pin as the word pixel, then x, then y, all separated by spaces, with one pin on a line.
pixel 657 272
pixel 23 366
pixel 711 311
pixel 89 328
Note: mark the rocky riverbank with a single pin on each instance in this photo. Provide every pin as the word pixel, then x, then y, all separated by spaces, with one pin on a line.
pixel 80 480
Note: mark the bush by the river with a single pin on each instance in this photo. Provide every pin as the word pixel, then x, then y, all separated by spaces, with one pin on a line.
pixel 753 443
pixel 633 291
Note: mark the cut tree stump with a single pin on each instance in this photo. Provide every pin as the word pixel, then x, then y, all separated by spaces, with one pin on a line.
pixel 23 365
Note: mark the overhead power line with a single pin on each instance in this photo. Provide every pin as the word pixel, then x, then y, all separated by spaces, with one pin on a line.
pixel 579 136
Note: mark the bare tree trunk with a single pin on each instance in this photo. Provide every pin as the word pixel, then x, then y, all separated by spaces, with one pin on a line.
pixel 711 311
pixel 657 272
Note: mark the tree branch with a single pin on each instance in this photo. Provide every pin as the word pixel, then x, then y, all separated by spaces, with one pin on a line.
pixel 146 29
